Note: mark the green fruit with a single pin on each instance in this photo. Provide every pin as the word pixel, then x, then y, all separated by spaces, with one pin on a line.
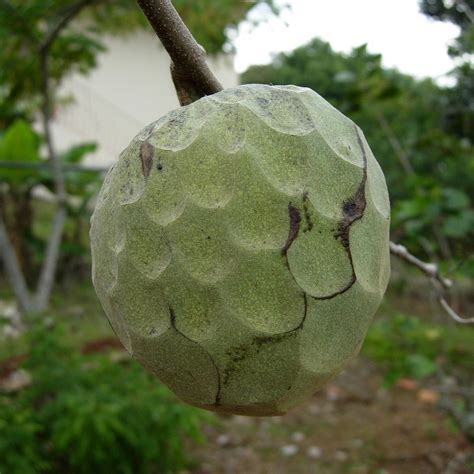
pixel 240 247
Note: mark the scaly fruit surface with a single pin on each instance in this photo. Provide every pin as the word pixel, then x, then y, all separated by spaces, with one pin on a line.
pixel 240 247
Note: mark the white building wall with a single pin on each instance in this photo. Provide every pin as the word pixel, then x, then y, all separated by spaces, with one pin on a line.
pixel 130 88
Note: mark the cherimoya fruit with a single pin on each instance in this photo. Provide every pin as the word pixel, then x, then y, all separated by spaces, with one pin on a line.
pixel 240 247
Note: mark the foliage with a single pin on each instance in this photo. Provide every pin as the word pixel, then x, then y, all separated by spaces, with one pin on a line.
pixel 446 11
pixel 457 12
pixel 425 207
pixel 24 26
pixel 20 143
pixel 18 433
pixel 408 347
pixel 86 414
pixel 221 18
pixel 459 114
pixel 428 168
pixel 22 30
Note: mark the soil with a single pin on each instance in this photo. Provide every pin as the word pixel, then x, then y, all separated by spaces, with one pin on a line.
pixel 352 426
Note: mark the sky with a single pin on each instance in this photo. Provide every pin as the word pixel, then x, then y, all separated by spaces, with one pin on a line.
pixel 407 39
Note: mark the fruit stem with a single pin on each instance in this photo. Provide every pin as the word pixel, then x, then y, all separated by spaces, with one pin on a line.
pixel 191 74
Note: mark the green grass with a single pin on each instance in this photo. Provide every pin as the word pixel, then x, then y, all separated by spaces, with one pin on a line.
pixel 407 346
pixel 76 306
pixel 87 413
pixel 403 345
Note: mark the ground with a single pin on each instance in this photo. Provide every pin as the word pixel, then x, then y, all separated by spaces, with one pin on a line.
pixel 353 426
pixel 382 415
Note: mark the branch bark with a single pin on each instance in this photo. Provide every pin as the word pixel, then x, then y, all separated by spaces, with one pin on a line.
pixel 429 269
pixel 69 14
pixel 46 116
pixel 432 271
pixel 185 88
pixel 466 9
pixel 38 303
pixel 191 74
pixel 48 269
pixel 13 271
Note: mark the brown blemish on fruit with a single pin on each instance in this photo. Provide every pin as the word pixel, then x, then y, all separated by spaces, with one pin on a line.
pixel 146 157
pixel 352 210
pixel 295 219
pixel 354 207
pixel 239 353
pixel 307 214
pixel 173 325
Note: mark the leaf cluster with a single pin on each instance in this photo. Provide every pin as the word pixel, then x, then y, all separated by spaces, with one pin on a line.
pixel 415 129
pixel 459 116
pixel 406 346
pixel 20 145
pixel 454 11
pixel 86 413
pixel 25 24
pixel 24 27
pixel 210 22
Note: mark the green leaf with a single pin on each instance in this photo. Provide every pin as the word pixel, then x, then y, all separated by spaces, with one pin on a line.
pixel 459 225
pixel 455 199
pixel 413 227
pixel 76 153
pixel 466 267
pixel 19 144
pixel 420 366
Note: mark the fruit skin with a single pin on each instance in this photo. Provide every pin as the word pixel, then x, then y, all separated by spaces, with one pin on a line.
pixel 240 247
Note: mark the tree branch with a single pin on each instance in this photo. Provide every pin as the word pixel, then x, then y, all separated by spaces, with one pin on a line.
pixel 432 271
pixel 13 270
pixel 192 75
pixel 395 144
pixel 466 9
pixel 69 14
pixel 48 269
pixel 185 88
pixel 46 116
pixel 12 267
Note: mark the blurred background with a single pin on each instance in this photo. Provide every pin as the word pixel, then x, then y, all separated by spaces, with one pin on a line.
pixel 78 80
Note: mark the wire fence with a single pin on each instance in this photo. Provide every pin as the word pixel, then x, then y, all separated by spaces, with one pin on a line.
pixel 25 165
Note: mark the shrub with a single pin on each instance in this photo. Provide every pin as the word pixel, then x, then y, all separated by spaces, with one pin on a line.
pixel 406 346
pixel 86 413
